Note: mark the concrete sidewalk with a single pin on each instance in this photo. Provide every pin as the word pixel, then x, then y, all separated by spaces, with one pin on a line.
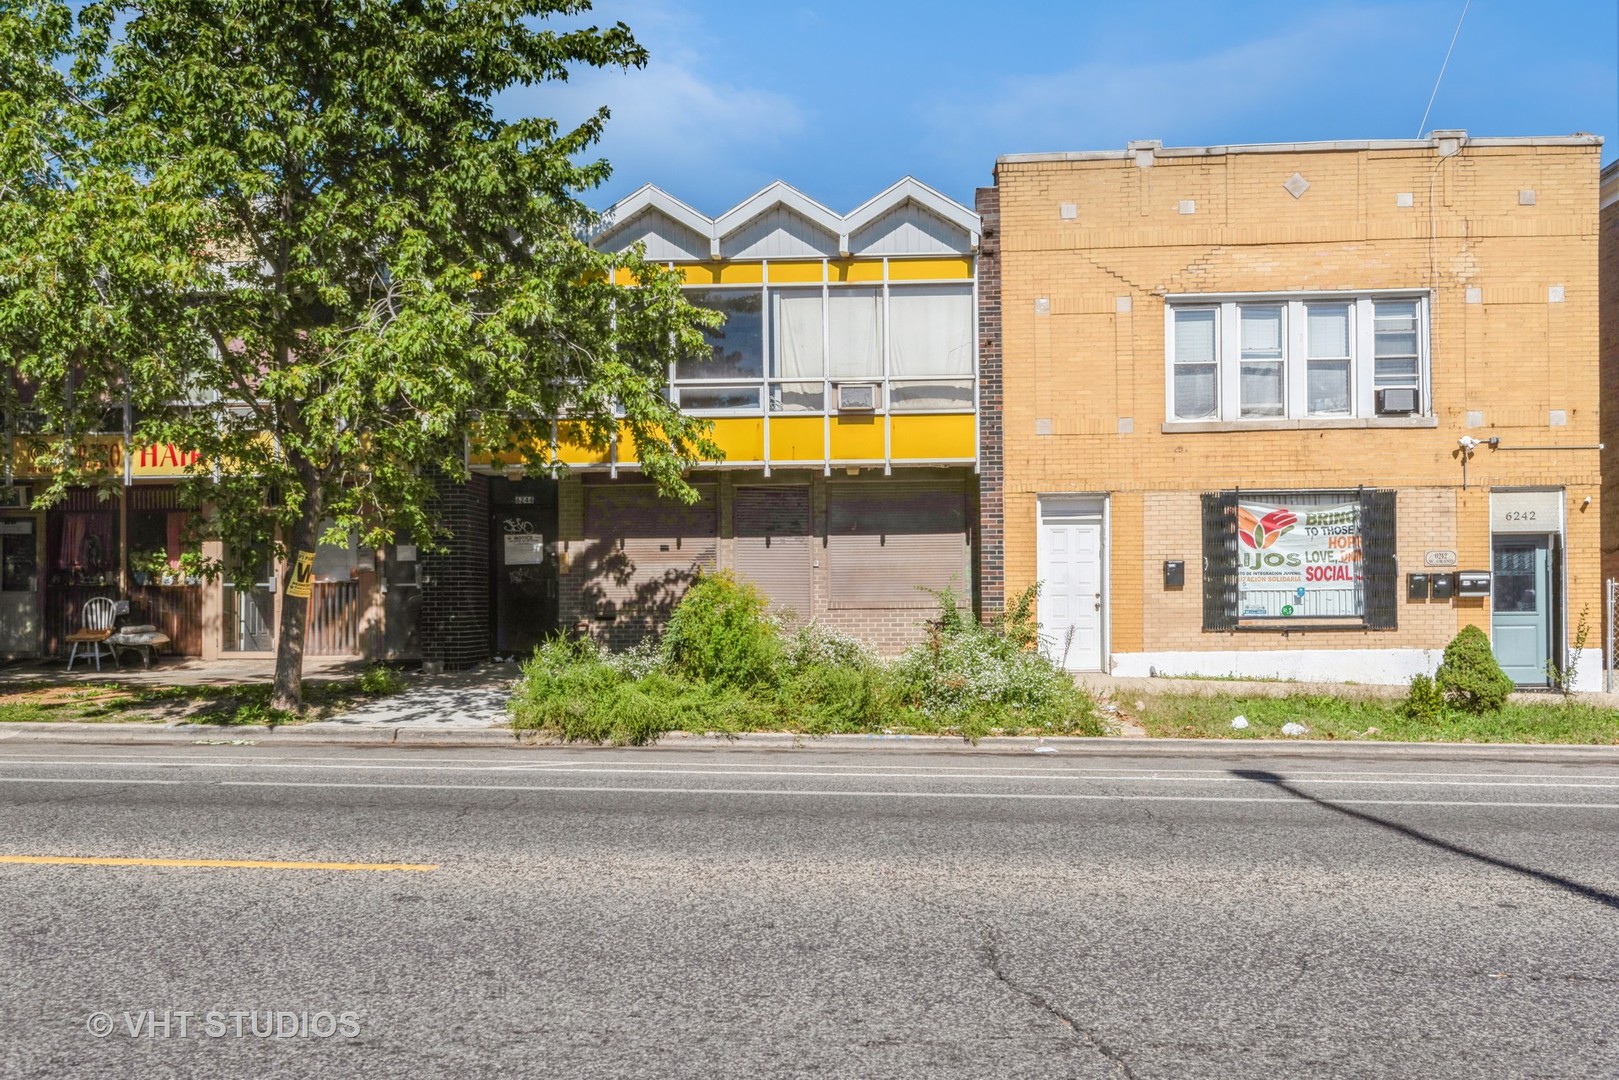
pixel 457 700
pixel 175 671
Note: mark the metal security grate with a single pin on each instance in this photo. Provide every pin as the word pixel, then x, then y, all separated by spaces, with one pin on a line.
pixel 1219 560
pixel 1380 565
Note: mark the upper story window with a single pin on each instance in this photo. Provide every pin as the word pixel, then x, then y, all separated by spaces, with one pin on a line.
pixel 1331 357
pixel 788 347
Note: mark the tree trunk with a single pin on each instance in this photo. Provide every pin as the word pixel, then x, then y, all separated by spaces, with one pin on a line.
pixel 288 693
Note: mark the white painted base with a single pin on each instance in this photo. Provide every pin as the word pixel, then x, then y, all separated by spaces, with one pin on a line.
pixel 1588 676
pixel 1393 667
pixel 1388 666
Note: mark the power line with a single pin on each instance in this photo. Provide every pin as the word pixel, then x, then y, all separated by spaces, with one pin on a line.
pixel 1436 82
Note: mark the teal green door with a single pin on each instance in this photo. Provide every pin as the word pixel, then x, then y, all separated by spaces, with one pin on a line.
pixel 1520 606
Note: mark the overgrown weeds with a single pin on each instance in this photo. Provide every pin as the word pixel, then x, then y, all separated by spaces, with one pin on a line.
pixel 725 665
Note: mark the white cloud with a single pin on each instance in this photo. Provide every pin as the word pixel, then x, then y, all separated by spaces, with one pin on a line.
pixel 1140 92
pixel 678 122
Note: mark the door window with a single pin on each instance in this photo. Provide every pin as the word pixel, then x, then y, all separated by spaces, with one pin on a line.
pixel 19 569
pixel 1515 586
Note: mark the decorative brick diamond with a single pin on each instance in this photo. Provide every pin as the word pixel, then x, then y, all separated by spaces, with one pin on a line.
pixel 1296 185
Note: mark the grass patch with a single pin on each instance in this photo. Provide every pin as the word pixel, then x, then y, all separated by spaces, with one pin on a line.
pixel 1362 719
pixel 240 704
pixel 725 667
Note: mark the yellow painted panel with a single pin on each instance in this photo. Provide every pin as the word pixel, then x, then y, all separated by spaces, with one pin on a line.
pixel 741 437
pixel 855 270
pixel 857 438
pixel 930 438
pixel 623 276
pixel 571 447
pixel 723 273
pixel 698 273
pixel 795 271
pixel 929 269
pixel 797 438
pixel 741 273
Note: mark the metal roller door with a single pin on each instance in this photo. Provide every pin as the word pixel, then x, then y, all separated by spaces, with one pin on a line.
pixel 891 545
pixel 773 545
pixel 642 550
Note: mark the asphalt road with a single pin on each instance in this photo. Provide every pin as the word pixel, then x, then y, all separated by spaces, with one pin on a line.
pixel 760 913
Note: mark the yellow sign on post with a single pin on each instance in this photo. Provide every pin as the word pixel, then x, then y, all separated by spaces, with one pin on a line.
pixel 301 582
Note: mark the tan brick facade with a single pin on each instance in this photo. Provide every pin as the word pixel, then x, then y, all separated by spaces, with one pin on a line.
pixel 1501 237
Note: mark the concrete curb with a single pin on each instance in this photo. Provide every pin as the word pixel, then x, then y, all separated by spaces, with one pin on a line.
pixel 292 735
pixel 1105 746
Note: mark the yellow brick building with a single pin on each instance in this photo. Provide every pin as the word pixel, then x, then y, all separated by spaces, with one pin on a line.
pixel 1296 410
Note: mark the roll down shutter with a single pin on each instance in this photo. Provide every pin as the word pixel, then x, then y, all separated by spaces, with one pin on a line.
pixel 890 545
pixel 642 550
pixel 773 544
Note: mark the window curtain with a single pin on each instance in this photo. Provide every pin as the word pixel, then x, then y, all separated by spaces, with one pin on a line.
pixel 795 318
pixel 86 542
pixel 931 331
pixel 856 316
pixel 174 528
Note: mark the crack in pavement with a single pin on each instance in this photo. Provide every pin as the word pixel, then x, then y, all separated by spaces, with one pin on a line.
pixel 992 960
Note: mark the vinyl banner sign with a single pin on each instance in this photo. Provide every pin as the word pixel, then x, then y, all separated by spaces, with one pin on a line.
pixel 1298 560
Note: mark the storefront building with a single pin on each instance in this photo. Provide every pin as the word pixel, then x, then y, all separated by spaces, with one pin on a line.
pixel 843 392
pixel 125 542
pixel 1298 410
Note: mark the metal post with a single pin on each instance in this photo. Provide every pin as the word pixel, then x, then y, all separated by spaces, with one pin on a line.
pixel 1607 652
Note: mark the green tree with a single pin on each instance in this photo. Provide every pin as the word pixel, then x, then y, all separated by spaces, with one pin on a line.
pixel 354 270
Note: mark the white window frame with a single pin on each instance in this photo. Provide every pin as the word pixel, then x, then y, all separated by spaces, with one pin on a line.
pixel 885 380
pixel 1362 367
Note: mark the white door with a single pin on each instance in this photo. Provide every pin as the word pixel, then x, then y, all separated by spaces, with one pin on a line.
pixel 1070 567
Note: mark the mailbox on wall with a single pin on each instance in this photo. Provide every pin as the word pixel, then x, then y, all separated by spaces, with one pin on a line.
pixel 1473 583
pixel 1174 573
pixel 1416 586
pixel 1444 586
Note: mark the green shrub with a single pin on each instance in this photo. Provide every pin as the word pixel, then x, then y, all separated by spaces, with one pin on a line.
pixel 983 679
pixel 381 680
pixel 569 690
pixel 1469 677
pixel 720 634
pixel 1425 702
pixel 724 667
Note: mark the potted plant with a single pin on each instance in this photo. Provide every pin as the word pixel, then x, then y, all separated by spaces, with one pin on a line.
pixel 193 567
pixel 148 567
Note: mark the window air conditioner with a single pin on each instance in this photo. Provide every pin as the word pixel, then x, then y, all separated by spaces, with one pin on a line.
pixel 1398 401
pixel 857 397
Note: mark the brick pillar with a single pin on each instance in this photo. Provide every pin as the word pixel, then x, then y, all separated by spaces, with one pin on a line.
pixel 991 466
pixel 455 590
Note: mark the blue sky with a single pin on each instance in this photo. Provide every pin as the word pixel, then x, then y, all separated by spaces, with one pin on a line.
pixel 841 99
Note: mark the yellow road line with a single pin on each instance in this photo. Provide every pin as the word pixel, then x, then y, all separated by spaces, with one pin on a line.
pixel 248 864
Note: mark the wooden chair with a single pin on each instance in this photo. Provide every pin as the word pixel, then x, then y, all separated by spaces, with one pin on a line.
pixel 95 627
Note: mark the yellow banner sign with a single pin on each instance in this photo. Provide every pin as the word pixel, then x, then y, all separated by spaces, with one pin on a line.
pixel 301 582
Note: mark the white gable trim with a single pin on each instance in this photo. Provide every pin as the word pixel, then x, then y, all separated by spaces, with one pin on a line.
pixel 777 194
pixel 780 194
pixel 647 197
pixel 913 190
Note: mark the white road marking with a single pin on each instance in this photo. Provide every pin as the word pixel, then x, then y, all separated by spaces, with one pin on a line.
pixel 878 794
pixel 920 772
pixel 756 767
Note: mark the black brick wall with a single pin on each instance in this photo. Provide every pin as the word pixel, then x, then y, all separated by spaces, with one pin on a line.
pixel 991 449
pixel 455 589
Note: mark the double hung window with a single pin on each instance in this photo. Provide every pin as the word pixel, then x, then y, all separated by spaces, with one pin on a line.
pixel 1326 357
